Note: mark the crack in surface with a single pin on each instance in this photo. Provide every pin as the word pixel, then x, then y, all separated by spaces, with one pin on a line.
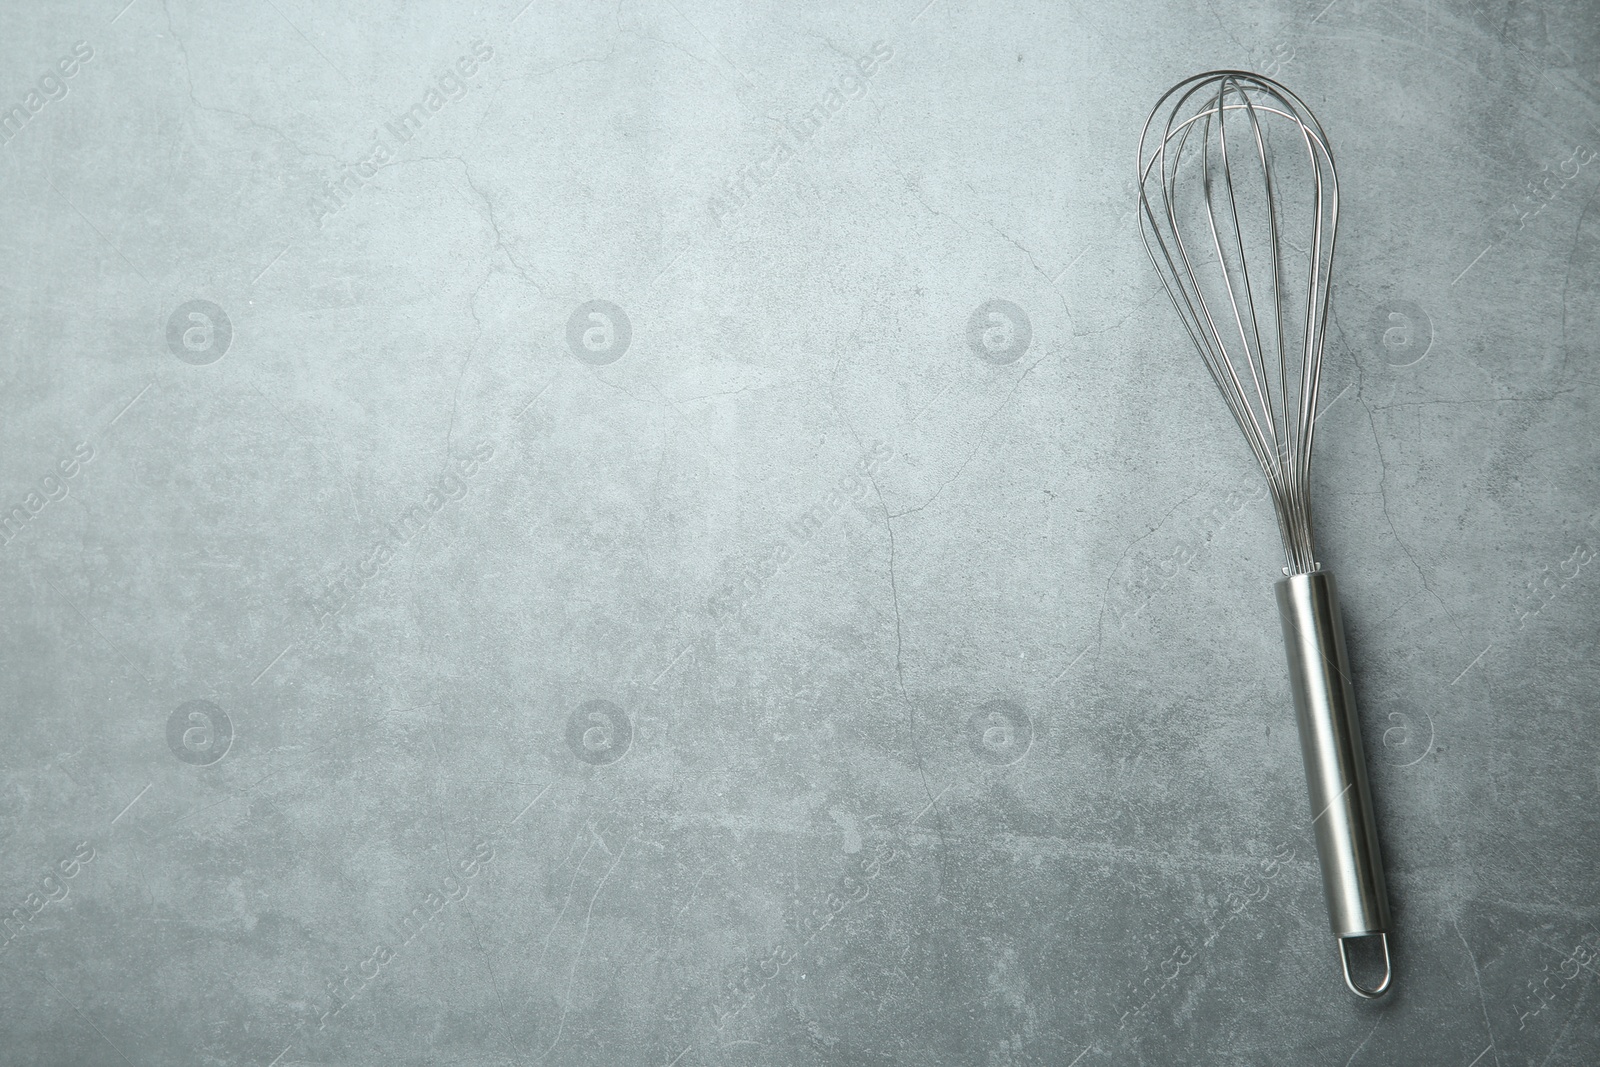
pixel 521 270
pixel 982 430
pixel 1383 495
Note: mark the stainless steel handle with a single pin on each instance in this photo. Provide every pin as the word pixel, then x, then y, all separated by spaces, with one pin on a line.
pixel 1336 770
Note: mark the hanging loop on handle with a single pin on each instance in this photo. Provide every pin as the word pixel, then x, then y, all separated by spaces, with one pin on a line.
pixel 1336 770
pixel 1374 992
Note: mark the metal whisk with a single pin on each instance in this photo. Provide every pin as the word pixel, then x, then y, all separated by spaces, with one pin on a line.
pixel 1239 205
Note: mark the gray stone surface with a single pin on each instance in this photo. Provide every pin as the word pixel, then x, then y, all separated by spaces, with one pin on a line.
pixel 643 576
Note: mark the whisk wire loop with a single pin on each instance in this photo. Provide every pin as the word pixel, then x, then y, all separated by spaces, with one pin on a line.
pixel 1276 408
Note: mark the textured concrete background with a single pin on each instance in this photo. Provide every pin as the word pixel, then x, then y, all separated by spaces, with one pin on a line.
pixel 709 546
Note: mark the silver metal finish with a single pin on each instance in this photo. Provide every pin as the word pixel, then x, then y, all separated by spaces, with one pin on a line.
pixel 1239 210
pixel 1336 769
pixel 1372 992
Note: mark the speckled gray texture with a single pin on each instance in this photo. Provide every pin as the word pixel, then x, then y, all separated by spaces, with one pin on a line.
pixel 663 533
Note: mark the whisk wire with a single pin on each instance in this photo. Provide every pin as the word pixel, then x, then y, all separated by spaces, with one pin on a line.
pixel 1255 358
pixel 1206 335
pixel 1277 419
pixel 1211 347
